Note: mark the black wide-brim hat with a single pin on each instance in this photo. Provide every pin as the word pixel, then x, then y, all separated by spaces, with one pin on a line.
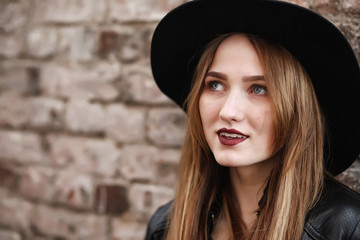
pixel 319 46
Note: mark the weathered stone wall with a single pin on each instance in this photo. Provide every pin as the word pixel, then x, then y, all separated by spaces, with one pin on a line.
pixel 89 147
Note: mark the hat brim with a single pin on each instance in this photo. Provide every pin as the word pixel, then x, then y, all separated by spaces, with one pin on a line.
pixel 314 41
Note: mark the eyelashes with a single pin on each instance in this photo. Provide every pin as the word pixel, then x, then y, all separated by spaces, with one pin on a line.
pixel 218 86
pixel 259 90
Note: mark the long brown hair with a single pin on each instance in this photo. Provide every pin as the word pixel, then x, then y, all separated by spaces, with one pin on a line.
pixel 295 181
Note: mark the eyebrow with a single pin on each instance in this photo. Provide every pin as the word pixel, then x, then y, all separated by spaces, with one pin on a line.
pixel 216 75
pixel 244 78
pixel 253 78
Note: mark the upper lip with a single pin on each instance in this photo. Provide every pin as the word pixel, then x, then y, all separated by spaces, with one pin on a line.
pixel 231 131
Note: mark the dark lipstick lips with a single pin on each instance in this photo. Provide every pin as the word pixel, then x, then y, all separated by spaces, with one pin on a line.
pixel 230 141
pixel 231 131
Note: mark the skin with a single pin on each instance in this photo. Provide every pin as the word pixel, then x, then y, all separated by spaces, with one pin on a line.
pixel 235 97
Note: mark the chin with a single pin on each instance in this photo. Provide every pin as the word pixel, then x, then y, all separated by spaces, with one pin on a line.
pixel 226 162
pixel 239 162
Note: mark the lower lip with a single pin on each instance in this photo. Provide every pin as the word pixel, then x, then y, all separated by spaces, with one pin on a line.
pixel 230 141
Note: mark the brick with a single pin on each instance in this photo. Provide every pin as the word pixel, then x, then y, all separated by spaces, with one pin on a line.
pixel 14 114
pixel 145 35
pixel 9 235
pixel 74 190
pixel 80 81
pixel 108 41
pixel 69 11
pixel 127 229
pixel 111 199
pixel 166 126
pixel 131 50
pixel 140 10
pixel 139 162
pixel 36 182
pixel 137 45
pixel 41 41
pixel 125 124
pixel 325 7
pixel 14 79
pixel 13 15
pixel 87 155
pixel 15 212
pixel 19 79
pixel 112 40
pixel 141 88
pixel 8 177
pixel 167 175
pixel 147 163
pixel 42 238
pixel 351 6
pixel 145 199
pixel 167 170
pixel 10 45
pixel 21 147
pixel 351 176
pixel 36 112
pixel 45 112
pixel 82 116
pixel 64 224
pixel 169 156
pixel 126 43
pixel 77 43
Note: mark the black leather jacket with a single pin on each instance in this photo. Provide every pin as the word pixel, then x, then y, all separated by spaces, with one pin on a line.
pixel 335 217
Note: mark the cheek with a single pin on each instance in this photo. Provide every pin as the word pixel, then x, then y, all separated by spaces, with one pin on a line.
pixel 208 110
pixel 269 126
pixel 263 120
pixel 203 108
pixel 207 115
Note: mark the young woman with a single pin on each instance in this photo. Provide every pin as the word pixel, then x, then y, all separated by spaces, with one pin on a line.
pixel 267 87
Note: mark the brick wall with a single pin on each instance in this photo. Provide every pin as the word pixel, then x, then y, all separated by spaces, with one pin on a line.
pixel 89 147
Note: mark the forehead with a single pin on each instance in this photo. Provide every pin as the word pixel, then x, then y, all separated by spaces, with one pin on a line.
pixel 236 55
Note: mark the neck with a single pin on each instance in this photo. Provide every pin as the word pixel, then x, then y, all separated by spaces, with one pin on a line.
pixel 248 183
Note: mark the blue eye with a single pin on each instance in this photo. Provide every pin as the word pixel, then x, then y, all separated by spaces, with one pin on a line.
pixel 259 90
pixel 216 86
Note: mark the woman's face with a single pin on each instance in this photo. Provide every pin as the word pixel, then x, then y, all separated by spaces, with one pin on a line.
pixel 235 108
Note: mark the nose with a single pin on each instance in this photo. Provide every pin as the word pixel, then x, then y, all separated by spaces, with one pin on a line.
pixel 233 108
